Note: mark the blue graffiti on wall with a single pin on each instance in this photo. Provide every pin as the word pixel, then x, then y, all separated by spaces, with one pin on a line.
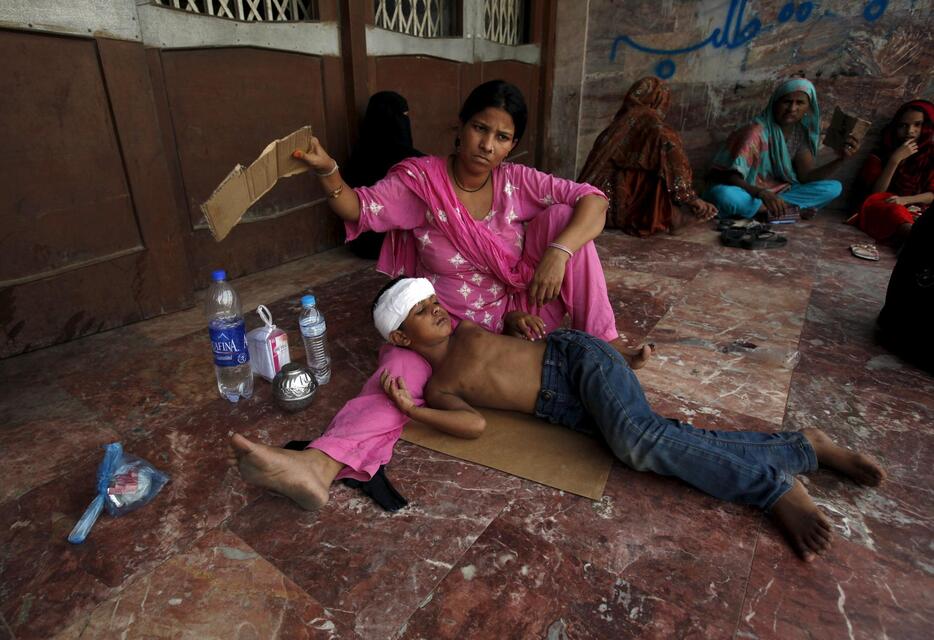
pixel 736 31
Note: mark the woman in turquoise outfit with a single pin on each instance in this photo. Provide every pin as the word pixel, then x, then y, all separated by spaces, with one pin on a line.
pixel 768 166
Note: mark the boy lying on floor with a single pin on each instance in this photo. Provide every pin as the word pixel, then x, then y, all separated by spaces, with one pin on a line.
pixel 581 382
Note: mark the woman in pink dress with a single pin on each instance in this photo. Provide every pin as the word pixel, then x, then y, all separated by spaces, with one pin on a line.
pixel 492 237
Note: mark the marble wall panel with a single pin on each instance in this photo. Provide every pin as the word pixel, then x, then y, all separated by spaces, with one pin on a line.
pixel 866 57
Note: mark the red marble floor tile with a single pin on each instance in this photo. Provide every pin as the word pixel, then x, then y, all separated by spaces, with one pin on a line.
pixel 714 379
pixel 220 588
pixel 515 585
pixel 640 300
pixel 837 239
pixel 893 520
pixel 40 450
pixel 636 564
pixel 860 410
pixel 674 258
pixel 731 341
pixel 44 580
pixel 856 590
pixel 369 567
pixel 799 256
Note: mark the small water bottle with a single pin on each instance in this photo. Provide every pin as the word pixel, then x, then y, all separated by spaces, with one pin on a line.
pixel 228 340
pixel 314 334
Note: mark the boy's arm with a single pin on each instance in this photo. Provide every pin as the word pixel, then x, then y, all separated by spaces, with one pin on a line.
pixel 448 413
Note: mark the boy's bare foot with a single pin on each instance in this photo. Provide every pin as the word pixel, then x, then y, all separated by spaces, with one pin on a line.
pixel 859 467
pixel 304 476
pixel 637 357
pixel 807 529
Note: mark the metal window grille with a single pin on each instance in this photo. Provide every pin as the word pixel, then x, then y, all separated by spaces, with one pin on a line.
pixel 422 18
pixel 505 21
pixel 249 10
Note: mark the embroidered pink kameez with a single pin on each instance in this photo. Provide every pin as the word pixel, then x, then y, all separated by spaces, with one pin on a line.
pixel 480 270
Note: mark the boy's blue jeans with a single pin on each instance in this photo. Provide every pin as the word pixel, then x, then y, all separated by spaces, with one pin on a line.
pixel 588 386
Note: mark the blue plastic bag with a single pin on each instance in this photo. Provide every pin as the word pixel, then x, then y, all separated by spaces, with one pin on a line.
pixel 124 483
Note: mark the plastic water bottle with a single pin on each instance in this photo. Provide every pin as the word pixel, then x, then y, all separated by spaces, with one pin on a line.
pixel 314 334
pixel 228 340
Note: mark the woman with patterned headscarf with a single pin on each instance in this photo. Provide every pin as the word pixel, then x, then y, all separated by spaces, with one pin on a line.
pixel 639 163
pixel 768 166
pixel 899 174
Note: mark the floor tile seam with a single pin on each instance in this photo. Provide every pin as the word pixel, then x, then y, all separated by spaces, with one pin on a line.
pixel 135 578
pixel 7 627
pixel 632 269
pixel 223 528
pixel 752 561
pixel 402 627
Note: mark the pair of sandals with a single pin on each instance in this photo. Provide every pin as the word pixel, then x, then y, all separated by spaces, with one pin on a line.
pixel 752 235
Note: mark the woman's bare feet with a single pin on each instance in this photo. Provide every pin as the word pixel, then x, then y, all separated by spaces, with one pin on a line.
pixel 637 357
pixel 304 476
pixel 807 529
pixel 859 467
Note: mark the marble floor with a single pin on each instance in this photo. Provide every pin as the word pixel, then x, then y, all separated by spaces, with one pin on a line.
pixel 763 340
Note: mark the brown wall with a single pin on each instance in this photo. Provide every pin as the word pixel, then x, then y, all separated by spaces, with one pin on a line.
pixel 217 120
pixel 109 148
pixel 434 106
pixel 84 192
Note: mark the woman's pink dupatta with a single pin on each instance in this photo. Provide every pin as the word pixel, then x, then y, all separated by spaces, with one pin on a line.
pixel 427 178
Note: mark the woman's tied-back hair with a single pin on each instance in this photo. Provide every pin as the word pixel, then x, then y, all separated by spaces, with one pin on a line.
pixel 499 94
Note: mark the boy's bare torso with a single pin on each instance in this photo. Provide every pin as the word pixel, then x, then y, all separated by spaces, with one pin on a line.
pixel 489 370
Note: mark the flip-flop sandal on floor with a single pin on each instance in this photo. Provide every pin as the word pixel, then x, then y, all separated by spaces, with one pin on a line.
pixel 753 237
pixel 731 237
pixel 764 240
pixel 865 251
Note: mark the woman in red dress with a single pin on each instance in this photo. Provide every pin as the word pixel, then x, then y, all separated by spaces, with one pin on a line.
pixel 900 174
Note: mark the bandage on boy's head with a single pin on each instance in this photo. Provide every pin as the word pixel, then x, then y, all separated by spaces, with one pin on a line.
pixel 395 301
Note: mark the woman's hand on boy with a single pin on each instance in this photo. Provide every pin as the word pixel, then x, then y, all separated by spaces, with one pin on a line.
pixel 546 283
pixel 524 325
pixel 397 391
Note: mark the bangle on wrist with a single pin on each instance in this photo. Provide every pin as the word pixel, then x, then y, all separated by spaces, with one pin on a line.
pixel 336 193
pixel 561 247
pixel 327 173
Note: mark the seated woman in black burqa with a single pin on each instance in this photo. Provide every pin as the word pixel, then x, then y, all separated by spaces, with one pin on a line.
pixel 385 139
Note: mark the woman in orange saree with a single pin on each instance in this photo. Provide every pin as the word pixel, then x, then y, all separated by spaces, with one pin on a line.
pixel 639 163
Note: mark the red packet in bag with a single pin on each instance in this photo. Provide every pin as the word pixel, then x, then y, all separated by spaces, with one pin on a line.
pixel 269 346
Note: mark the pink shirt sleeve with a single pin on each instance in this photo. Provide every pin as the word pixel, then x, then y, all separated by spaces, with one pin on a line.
pixel 386 206
pixel 538 191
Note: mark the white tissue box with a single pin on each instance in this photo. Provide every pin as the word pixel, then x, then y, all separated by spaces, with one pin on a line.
pixel 269 351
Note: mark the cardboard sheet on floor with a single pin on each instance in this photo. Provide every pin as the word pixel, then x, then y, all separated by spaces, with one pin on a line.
pixel 245 185
pixel 529 448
